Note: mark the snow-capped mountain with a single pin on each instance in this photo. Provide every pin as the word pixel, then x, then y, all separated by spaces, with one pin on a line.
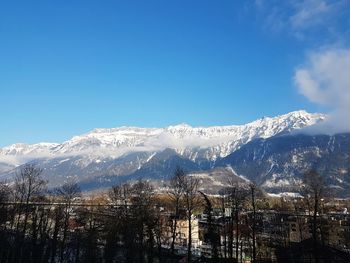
pixel 193 142
pixel 28 149
pixel 104 154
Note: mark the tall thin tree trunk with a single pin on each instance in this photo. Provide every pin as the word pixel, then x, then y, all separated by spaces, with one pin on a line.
pixel 254 224
pixel 65 230
pixel 230 238
pixel 189 245
pixel 54 238
pixel 225 232
pixel 314 229
pixel 237 234
pixel 174 229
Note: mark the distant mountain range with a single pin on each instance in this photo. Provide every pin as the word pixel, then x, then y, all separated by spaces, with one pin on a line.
pixel 269 151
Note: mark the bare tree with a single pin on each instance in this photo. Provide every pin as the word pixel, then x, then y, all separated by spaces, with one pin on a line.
pixel 223 193
pixel 232 192
pixel 121 194
pixel 67 193
pixel 119 223
pixel 313 191
pixel 57 218
pixel 237 195
pixel 253 190
pixel 212 236
pixel 190 186
pixel 28 185
pixel 159 226
pixel 176 193
pixel 143 214
pixel 5 192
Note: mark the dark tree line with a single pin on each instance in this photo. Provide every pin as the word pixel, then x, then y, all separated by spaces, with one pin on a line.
pixel 134 224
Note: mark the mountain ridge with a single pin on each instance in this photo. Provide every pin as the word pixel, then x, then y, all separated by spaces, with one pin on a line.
pixel 179 137
pixel 103 157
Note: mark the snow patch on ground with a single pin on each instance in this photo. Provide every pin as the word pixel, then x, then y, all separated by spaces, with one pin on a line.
pixel 285 194
pixel 278 180
pixel 229 167
pixel 64 160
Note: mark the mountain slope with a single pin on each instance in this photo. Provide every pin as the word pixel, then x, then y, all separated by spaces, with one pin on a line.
pixel 98 157
pixel 279 163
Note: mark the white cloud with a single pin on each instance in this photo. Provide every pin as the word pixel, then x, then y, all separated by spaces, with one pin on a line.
pixel 325 80
pixel 299 18
pixel 311 12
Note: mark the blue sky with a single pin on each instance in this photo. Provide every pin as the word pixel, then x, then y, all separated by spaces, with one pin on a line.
pixel 67 67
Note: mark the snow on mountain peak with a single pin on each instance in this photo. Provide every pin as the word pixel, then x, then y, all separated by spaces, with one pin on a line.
pixel 181 126
pixel 193 142
pixel 24 149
